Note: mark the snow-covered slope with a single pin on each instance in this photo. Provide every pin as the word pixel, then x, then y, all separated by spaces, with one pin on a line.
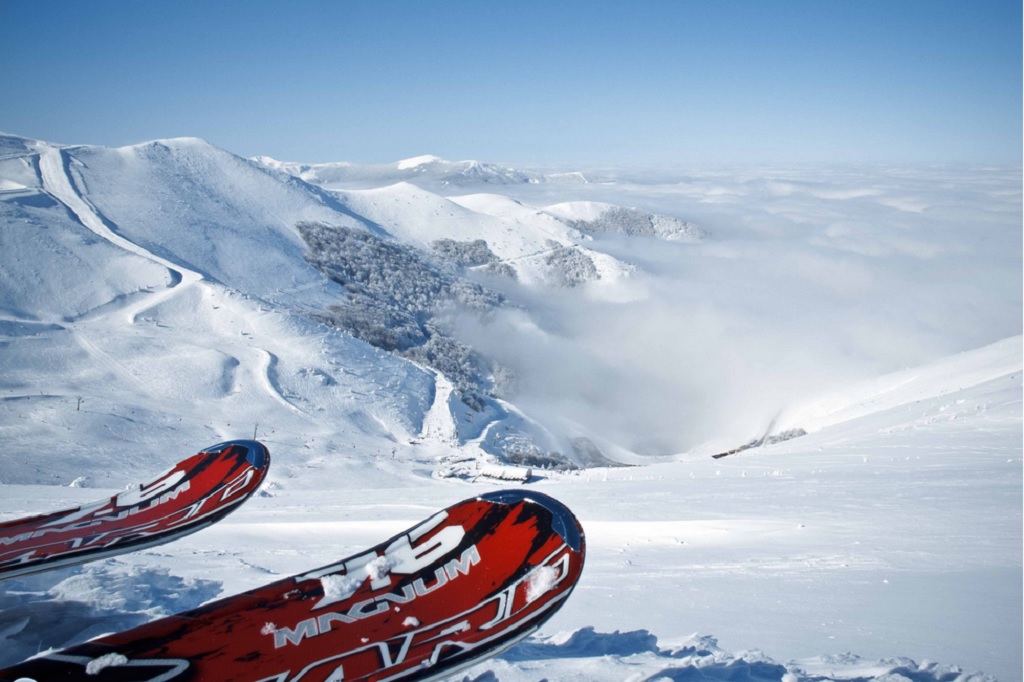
pixel 858 537
pixel 158 219
pixel 941 380
pixel 122 255
pixel 529 243
pixel 524 220
pixel 178 310
pixel 226 218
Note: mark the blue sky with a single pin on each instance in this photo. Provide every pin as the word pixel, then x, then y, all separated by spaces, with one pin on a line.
pixel 663 83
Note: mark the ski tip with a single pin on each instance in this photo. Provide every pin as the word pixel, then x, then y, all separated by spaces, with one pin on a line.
pixel 563 521
pixel 256 453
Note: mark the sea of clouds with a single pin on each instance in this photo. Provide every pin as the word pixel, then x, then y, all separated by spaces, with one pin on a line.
pixel 809 278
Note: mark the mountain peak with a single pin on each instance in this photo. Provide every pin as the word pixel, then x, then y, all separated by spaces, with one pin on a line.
pixel 417 161
pixel 175 142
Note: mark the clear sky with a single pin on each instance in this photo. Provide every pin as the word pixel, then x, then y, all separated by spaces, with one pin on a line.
pixel 524 81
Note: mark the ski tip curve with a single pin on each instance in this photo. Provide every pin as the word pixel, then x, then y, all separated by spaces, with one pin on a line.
pixel 256 453
pixel 563 521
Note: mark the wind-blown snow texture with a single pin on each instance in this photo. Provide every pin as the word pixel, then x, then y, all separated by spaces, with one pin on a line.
pixel 395 332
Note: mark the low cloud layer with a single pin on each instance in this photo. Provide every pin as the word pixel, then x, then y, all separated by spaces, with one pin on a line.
pixel 807 282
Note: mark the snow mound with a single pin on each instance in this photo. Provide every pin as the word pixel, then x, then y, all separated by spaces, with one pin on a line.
pixel 61 608
pixel 636 655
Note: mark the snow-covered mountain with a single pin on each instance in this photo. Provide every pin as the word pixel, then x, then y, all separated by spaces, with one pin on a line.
pixel 391 336
pixel 209 211
pixel 525 243
pixel 424 170
pixel 180 217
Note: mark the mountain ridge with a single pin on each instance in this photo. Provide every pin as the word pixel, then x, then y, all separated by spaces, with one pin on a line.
pixel 201 218
pixel 426 169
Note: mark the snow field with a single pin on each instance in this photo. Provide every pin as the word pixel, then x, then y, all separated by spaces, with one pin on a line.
pixel 743 546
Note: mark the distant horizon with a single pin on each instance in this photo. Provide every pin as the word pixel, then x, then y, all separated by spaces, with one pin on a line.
pixel 566 84
pixel 593 166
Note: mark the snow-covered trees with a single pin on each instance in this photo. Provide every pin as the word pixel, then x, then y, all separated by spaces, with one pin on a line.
pixel 568 266
pixel 635 222
pixel 400 301
pixel 471 254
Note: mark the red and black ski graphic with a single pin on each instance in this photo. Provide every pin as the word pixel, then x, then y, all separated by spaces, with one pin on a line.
pixel 460 587
pixel 191 495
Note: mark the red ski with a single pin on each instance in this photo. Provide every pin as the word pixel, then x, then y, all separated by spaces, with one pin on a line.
pixel 191 495
pixel 458 588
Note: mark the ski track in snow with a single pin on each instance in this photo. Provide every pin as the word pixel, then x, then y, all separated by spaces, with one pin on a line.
pixel 54 172
pixel 56 179
pixel 104 359
pixel 438 424
pixel 267 368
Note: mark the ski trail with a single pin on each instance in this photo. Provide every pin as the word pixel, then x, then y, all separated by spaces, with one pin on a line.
pixel 56 180
pixel 438 423
pixel 113 366
pixel 265 378
pixel 534 254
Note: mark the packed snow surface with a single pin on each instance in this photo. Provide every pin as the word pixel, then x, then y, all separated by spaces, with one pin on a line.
pixel 155 300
